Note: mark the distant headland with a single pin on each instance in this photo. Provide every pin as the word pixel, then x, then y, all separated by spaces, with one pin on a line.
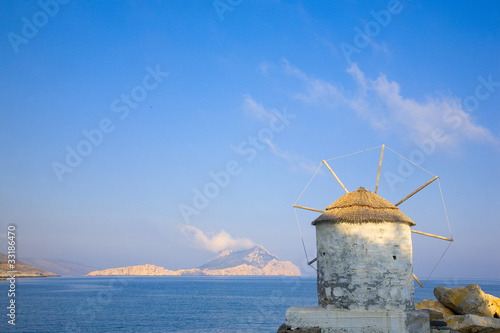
pixel 21 269
pixel 256 261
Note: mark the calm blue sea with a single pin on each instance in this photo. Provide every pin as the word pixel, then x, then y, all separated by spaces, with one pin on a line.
pixel 168 304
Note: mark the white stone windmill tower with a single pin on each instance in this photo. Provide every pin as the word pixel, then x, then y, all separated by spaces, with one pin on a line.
pixel 364 266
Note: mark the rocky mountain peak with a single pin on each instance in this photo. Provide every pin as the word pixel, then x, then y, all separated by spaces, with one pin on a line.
pixel 224 253
pixel 256 256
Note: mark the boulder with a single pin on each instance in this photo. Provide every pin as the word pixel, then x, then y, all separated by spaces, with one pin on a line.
pixel 439 291
pixel 435 306
pixel 468 300
pixel 433 315
pixel 441 323
pixel 285 329
pixel 496 301
pixel 474 324
pixel 436 321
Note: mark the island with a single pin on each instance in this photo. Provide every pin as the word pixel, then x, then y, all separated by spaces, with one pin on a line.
pixel 256 261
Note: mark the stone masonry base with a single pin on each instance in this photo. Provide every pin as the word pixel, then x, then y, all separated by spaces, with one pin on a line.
pixel 349 321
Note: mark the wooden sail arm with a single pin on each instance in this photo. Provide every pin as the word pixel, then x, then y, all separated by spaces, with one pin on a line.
pixel 312 261
pixel 418 281
pixel 334 175
pixel 307 208
pixel 379 167
pixel 416 191
pixel 432 235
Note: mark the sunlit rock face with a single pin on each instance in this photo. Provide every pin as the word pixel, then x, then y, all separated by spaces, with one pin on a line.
pixel 465 309
pixel 469 300
pixel 434 305
pixel 256 261
pixel 150 270
pixel 272 268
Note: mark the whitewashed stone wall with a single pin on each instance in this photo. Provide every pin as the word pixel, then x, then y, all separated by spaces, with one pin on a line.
pixel 365 266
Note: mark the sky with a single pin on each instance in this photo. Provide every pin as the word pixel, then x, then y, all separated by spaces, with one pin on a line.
pixel 163 132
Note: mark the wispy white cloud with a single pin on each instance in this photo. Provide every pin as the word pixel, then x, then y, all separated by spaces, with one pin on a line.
pixel 293 160
pixel 256 110
pixel 264 67
pixel 215 242
pixel 380 102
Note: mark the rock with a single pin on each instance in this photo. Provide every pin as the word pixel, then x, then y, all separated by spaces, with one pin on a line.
pixel 436 319
pixel 416 321
pixel 285 329
pixel 468 300
pixel 435 306
pixel 474 324
pixel 433 315
pixel 277 267
pixel 438 323
pixel 496 301
pixel 439 291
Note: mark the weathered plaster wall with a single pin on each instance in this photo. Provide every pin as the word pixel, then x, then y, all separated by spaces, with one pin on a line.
pixel 365 266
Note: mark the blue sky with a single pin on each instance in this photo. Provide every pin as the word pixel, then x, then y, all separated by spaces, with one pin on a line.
pixel 116 115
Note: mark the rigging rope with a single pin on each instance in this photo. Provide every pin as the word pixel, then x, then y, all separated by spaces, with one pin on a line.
pixel 444 206
pixel 308 183
pixel 449 228
pixel 415 164
pixel 438 262
pixel 300 231
pixel 302 238
pixel 297 217
pixel 362 151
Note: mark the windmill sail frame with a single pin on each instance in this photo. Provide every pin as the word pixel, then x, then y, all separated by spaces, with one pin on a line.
pixel 449 239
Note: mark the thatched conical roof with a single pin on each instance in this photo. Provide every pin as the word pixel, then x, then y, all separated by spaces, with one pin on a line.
pixel 362 206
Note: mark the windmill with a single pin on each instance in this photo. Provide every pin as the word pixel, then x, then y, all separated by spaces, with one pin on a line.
pixel 397 204
pixel 364 263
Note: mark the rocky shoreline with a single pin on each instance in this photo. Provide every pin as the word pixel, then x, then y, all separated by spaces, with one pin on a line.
pixel 459 310
pixel 463 309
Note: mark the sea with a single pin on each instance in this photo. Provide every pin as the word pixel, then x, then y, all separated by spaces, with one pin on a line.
pixel 168 304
